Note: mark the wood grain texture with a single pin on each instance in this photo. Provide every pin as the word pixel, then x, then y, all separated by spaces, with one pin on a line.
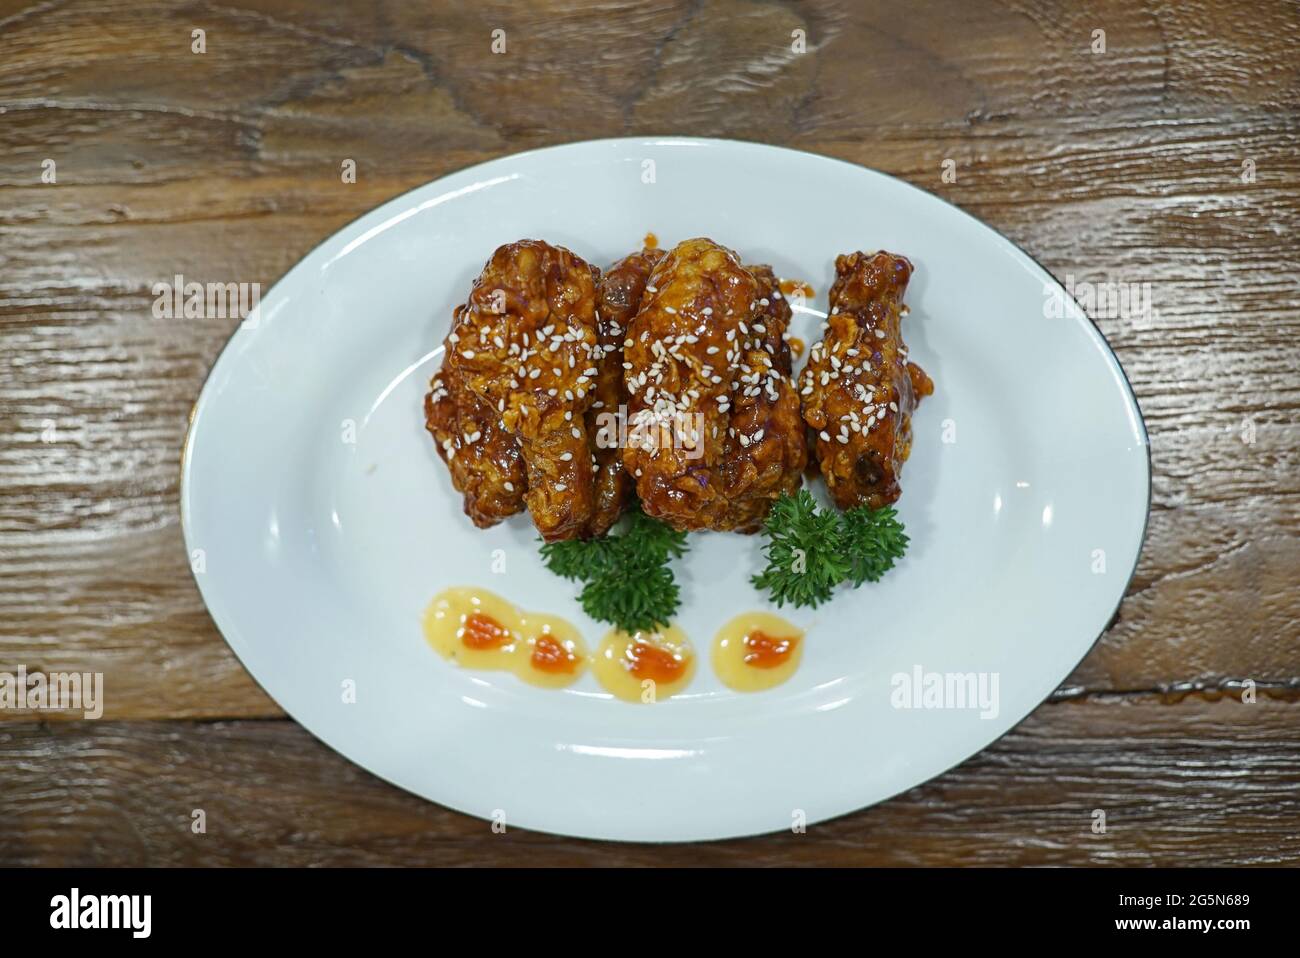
pixel 1204 783
pixel 1129 165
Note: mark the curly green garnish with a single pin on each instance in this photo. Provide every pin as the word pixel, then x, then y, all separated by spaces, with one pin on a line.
pixel 810 551
pixel 627 579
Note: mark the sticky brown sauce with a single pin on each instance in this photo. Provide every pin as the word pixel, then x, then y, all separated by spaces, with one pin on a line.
pixel 651 241
pixel 478 629
pixel 791 287
pixel 796 346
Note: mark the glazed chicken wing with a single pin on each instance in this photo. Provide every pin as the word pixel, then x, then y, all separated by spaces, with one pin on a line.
pixel 765 452
pixel 525 347
pixel 714 433
pixel 858 389
pixel 484 460
pixel 618 298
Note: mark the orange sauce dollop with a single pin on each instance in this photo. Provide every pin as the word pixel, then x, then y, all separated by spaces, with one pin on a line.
pixel 551 657
pixel 651 241
pixel 645 667
pixel 647 661
pixel 756 651
pixel 763 651
pixel 788 286
pixel 796 346
pixel 481 631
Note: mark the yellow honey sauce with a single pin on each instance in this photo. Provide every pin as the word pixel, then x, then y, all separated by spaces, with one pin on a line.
pixel 478 629
pixel 757 651
pixel 474 628
pixel 553 654
pixel 645 667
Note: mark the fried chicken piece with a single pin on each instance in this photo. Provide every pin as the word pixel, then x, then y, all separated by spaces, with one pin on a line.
pixel 484 460
pixel 765 452
pixel 713 431
pixel 525 346
pixel 618 297
pixel 858 389
pixel 775 318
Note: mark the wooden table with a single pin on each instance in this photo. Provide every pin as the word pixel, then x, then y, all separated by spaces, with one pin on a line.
pixel 1168 157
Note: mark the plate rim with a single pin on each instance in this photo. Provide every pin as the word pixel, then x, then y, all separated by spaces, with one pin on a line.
pixel 669 140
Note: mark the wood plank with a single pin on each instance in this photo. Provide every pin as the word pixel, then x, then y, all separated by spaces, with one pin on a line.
pixel 1205 782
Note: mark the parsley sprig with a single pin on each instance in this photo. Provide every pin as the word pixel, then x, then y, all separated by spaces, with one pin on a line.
pixel 875 540
pixel 810 551
pixel 626 577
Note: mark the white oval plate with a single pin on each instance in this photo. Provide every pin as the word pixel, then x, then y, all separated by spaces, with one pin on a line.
pixel 1025 498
